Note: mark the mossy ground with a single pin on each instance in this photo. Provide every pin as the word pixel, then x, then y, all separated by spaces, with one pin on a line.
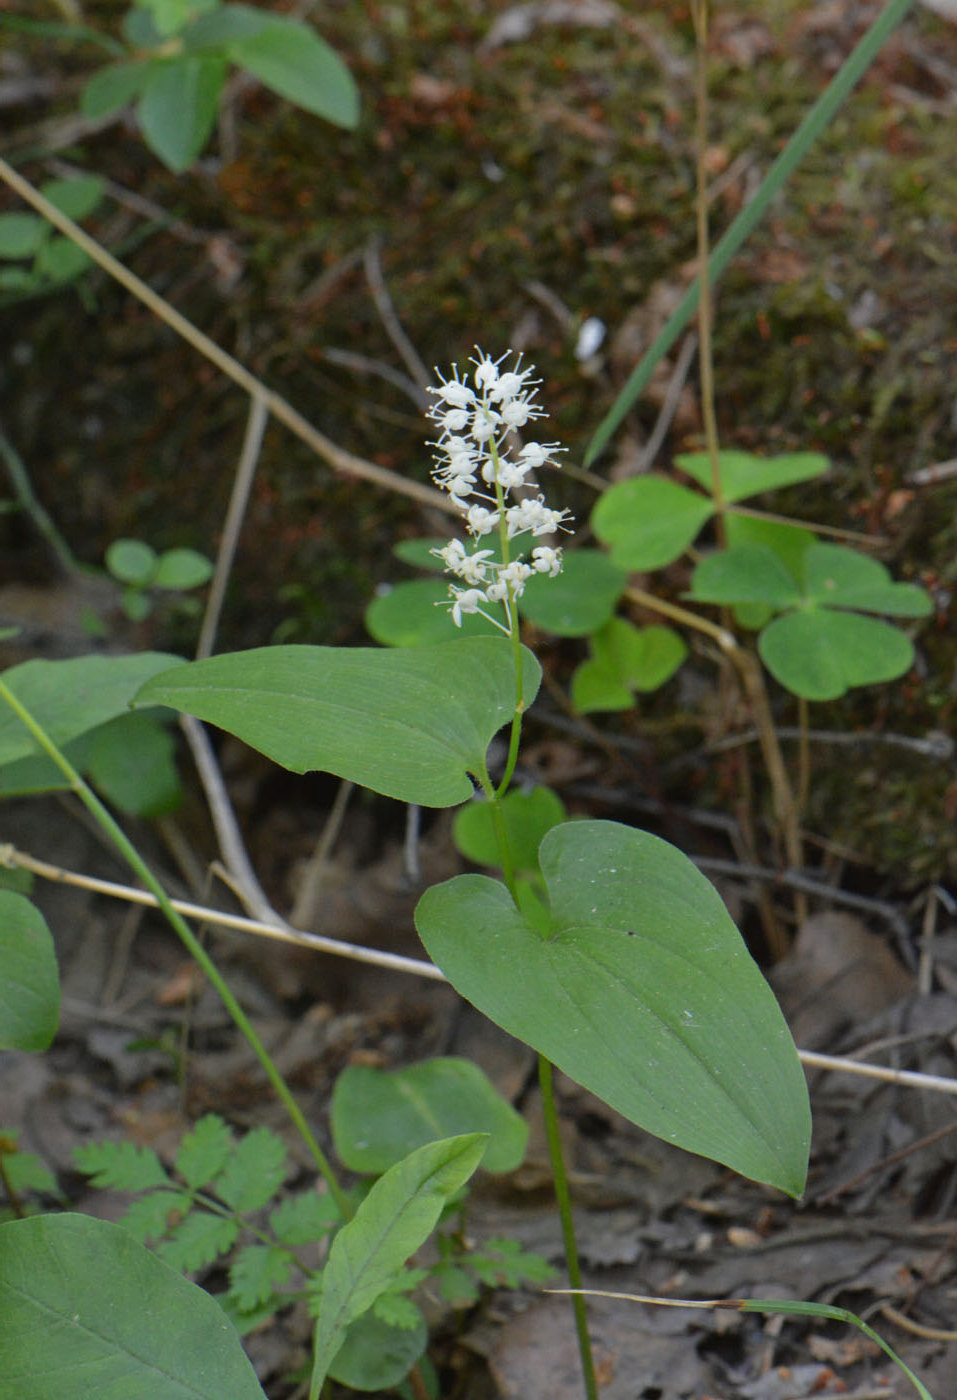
pixel 558 171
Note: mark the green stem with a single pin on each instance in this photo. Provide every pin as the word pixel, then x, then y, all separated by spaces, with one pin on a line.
pixel 553 1137
pixel 189 940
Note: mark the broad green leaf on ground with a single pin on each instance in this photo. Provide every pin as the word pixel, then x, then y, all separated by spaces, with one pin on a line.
pixel 132 561
pixel 742 474
pixel 416 614
pixel 292 60
pixel 377 1357
pixel 528 815
pixel 625 658
pixel 29 983
pixel 380 1116
pixel 21 234
pixel 580 599
pixel 649 521
pixel 394 1220
pixel 113 87
pixel 789 542
pixel 837 577
pixel 748 573
pixel 411 723
pixel 69 697
pixel 177 111
pixel 644 993
pixel 59 259
pixel 418 552
pixel 820 654
pixel 86 1313
pixel 131 761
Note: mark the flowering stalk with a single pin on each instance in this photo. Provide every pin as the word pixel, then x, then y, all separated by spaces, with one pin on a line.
pixel 477 421
pixel 476 464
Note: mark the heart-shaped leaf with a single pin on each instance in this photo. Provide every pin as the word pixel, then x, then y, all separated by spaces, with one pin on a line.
pixel 837 577
pixel 649 521
pixel 748 573
pixel 411 723
pixel 528 815
pixel 819 654
pixel 416 614
pixel 644 993
pixel 742 474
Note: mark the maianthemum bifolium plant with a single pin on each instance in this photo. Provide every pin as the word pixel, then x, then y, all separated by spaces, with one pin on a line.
pixel 614 958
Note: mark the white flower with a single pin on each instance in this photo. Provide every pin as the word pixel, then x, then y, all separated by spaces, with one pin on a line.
pixel 546 560
pixel 486 370
pixel 482 521
pixel 516 575
pixel 483 425
pixel 517 412
pixel 455 394
pixel 536 454
pixel 534 515
pixel 453 420
pixel 466 600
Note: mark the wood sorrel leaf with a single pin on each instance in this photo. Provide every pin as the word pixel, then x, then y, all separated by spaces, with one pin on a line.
pixel 88 1313
pixel 649 521
pixel 397 1216
pixel 819 653
pixel 644 993
pixel 410 723
pixel 838 577
pixel 742 474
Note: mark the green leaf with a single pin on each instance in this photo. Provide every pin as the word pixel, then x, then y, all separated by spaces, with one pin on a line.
pixel 418 552
pixel 595 687
pixel 748 573
pixel 742 474
pixel 132 761
pixel 29 986
pixel 222 26
pixel 304 1218
pixel 198 1240
pixel 24 1171
pixel 76 197
pixel 379 1116
pixel 86 1313
pixel 417 614
pixel 789 542
pixel 151 1216
pixel 169 16
pixel 644 993
pixel 254 1173
pixel 181 569
pixel 643 658
pixel 132 561
pixel 69 697
pixel 120 1166
pixel 649 521
pixel 503 1263
pixel 395 1218
pixel 256 1272
pixel 22 234
pixel 837 577
pixel 410 723
pixel 177 111
pixel 580 599
pixel 204 1151
pixel 294 62
pixel 528 815
pixel 113 87
pixel 376 1356
pixel 819 654
pixel 60 260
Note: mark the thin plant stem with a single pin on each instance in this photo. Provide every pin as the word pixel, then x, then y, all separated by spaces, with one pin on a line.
pixel 699 11
pixel 196 950
pixel 29 501
pixel 562 1197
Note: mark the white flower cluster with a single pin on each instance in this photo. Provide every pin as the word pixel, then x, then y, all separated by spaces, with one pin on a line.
pixel 473 464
